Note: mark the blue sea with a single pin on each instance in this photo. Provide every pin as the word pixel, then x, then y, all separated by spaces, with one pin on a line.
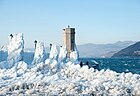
pixel 116 64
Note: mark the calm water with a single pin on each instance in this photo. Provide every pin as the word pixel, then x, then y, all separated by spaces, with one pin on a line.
pixel 118 65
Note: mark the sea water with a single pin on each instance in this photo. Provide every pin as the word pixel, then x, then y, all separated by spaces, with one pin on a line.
pixel 116 64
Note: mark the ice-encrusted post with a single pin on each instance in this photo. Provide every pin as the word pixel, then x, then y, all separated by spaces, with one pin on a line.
pixel 56 59
pixel 35 43
pixel 15 49
pixel 58 53
pixel 39 53
pixel 54 52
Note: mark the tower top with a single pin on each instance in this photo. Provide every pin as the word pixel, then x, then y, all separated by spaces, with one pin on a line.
pixel 69 30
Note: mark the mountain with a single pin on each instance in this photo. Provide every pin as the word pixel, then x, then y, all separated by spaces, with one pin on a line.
pixel 130 51
pixel 102 50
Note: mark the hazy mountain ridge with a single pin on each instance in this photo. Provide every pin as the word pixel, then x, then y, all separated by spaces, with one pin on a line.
pixel 102 50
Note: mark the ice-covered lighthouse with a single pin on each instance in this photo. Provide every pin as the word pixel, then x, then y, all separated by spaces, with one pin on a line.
pixel 69 40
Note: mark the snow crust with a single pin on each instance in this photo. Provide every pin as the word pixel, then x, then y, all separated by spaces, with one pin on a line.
pixel 58 76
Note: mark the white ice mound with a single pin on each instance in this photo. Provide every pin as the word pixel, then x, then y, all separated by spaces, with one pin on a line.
pixel 71 79
pixel 21 68
pixel 15 49
pixel 39 53
pixel 53 66
pixel 74 56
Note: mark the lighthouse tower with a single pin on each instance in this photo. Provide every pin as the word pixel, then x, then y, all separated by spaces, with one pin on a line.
pixel 69 39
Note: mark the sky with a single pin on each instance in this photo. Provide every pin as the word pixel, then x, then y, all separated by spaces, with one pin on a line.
pixel 95 21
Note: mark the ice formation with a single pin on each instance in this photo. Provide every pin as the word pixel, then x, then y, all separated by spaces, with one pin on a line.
pixel 54 52
pixel 74 55
pixel 56 57
pixel 62 54
pixel 39 53
pixel 57 76
pixel 15 51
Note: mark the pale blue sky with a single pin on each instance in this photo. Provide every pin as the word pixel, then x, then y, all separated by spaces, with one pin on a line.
pixel 96 21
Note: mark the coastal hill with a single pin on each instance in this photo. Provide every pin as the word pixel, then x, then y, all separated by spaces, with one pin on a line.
pixel 130 51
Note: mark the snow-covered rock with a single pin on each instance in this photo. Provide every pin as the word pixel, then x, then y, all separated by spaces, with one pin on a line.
pixel 15 49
